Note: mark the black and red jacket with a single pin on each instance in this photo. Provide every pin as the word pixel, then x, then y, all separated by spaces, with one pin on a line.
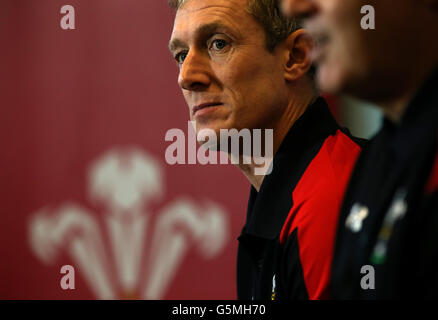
pixel 285 249
pixel 395 182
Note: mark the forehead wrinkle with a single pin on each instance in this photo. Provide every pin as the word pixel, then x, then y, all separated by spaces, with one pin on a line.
pixel 186 3
pixel 200 31
pixel 229 11
pixel 222 17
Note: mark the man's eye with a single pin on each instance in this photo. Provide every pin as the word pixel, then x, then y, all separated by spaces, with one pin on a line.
pixel 180 57
pixel 219 44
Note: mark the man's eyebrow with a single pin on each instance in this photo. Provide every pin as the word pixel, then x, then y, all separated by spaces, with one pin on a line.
pixel 175 43
pixel 202 30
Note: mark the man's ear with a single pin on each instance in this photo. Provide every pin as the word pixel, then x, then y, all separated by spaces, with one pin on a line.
pixel 299 45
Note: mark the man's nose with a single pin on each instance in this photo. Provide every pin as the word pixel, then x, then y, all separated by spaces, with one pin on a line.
pixel 194 73
pixel 298 8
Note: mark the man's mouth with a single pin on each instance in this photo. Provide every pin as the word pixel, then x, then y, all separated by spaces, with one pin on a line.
pixel 204 106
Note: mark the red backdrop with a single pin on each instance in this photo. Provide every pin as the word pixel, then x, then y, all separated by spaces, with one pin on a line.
pixel 84 181
pixel 83 178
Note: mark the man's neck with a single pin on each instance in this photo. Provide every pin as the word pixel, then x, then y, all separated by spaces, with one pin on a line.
pixel 395 109
pixel 292 113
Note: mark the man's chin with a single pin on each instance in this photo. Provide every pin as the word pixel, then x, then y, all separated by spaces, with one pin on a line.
pixel 215 125
pixel 330 79
pixel 205 133
pixel 202 129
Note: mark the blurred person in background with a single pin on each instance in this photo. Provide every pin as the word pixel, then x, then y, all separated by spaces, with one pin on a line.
pixel 389 219
pixel 243 66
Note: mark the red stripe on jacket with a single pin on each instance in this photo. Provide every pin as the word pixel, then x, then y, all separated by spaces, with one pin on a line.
pixel 317 199
pixel 432 184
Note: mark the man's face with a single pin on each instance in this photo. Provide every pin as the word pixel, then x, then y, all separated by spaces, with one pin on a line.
pixel 228 77
pixel 353 60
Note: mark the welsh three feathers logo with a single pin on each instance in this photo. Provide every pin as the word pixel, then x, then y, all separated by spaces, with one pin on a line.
pixel 121 253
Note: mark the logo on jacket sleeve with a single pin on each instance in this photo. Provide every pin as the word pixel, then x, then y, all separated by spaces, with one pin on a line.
pixel 274 288
pixel 396 212
pixel 356 217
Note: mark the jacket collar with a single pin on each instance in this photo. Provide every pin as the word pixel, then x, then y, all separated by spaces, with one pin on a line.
pixel 419 124
pixel 268 208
